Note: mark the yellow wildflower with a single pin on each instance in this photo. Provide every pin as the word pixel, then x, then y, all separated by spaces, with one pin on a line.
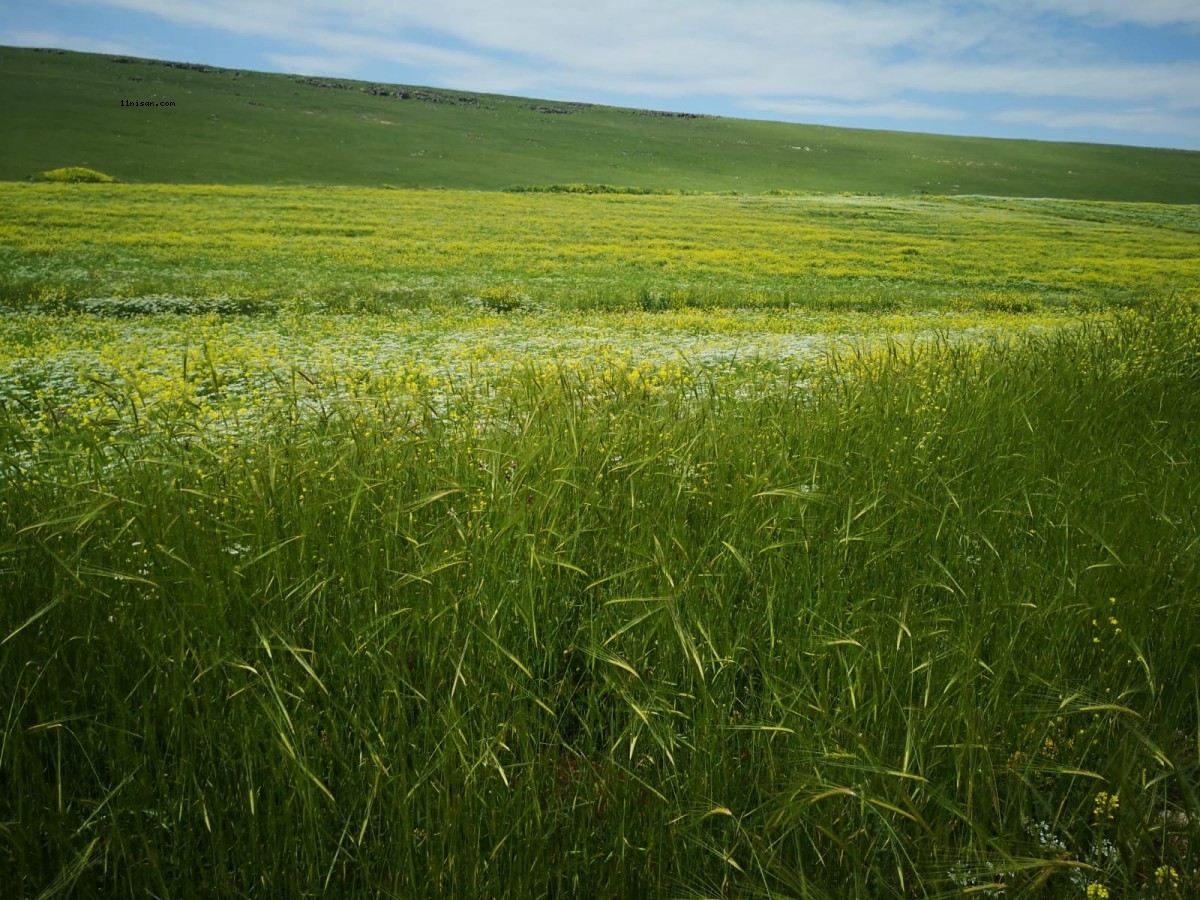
pixel 1106 805
pixel 1167 878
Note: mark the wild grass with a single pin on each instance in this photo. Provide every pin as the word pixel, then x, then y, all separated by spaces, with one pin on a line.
pixel 608 538
pixel 912 621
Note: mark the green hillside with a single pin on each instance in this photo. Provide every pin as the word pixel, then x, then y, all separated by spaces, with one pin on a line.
pixel 237 127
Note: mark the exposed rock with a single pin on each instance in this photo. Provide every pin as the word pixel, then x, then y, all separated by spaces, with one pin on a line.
pixel 191 67
pixel 657 114
pixel 318 83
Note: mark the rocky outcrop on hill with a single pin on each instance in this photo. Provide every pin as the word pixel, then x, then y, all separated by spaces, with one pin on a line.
pixel 658 114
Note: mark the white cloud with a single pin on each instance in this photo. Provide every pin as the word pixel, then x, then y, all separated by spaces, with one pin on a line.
pixel 756 48
pixel 898 109
pixel 1150 121
pixel 312 65
pixel 312 25
pixel 272 18
pixel 1172 83
pixel 84 43
pixel 877 58
pixel 1117 12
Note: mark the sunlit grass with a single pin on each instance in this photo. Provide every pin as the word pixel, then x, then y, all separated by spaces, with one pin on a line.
pixel 128 248
pixel 446 544
pixel 910 618
pixel 68 375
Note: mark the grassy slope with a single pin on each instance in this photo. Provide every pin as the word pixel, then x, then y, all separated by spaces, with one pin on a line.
pixel 243 127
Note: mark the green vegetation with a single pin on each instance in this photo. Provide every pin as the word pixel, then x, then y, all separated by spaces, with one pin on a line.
pixel 237 127
pixel 355 249
pixel 76 175
pixel 666 531
pixel 905 621
pixel 503 544
pixel 582 188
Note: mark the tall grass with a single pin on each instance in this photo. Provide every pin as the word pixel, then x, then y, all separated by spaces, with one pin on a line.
pixel 920 620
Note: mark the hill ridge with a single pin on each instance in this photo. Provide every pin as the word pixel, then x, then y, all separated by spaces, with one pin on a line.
pixel 244 127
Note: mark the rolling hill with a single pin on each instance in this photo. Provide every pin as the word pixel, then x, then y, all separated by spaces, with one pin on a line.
pixel 239 127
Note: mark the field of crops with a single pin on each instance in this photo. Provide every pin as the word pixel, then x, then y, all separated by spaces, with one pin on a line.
pixel 388 543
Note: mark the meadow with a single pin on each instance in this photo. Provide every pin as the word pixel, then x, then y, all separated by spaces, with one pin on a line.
pixel 369 542
pixel 372 250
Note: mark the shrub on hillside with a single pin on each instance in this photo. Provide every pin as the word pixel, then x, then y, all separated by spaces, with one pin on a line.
pixel 502 298
pixel 76 175
pixel 584 188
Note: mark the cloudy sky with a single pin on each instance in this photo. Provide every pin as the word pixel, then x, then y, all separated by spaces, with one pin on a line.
pixel 1114 71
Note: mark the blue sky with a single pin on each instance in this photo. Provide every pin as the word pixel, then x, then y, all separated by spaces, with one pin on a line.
pixel 1112 71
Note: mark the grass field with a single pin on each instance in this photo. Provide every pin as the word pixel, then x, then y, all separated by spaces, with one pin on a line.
pixel 363 540
pixel 238 127
pixel 429 543
pixel 354 249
